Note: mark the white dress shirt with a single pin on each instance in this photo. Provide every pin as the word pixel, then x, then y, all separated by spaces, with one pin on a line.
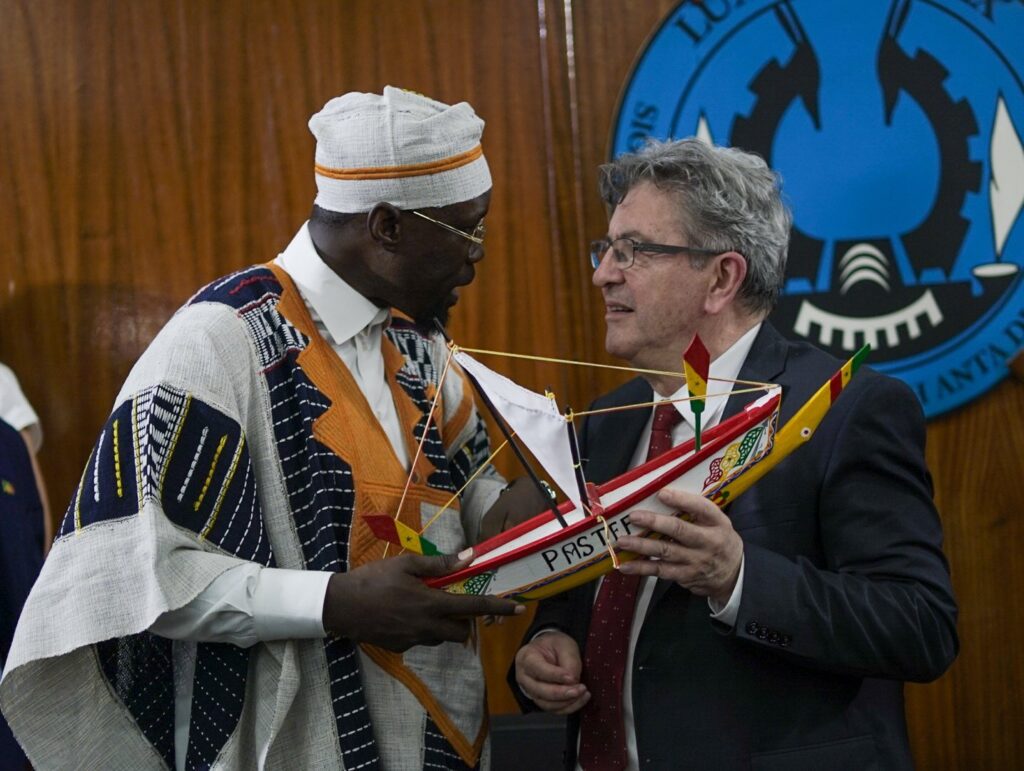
pixel 727 367
pixel 251 603
pixel 16 410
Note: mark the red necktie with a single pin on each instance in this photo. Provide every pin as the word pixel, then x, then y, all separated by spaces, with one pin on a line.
pixel 602 733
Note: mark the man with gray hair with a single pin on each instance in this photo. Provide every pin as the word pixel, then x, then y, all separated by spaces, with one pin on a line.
pixel 776 633
pixel 214 597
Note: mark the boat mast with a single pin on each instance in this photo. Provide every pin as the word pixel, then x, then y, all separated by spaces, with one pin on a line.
pixel 577 465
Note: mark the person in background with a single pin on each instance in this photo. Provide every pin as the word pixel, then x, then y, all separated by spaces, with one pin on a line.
pixel 214 596
pixel 16 411
pixel 21 555
pixel 775 634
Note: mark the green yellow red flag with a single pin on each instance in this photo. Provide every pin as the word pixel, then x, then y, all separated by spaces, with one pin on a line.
pixel 391 530
pixel 696 362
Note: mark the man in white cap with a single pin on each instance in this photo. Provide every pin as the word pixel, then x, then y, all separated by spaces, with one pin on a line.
pixel 214 597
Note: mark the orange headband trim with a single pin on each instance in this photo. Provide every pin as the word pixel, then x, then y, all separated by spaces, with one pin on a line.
pixel 411 170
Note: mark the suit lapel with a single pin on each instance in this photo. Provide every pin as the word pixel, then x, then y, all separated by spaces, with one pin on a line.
pixel 765 362
pixel 611 438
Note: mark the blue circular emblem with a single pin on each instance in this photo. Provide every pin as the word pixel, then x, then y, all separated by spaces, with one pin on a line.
pixel 897 127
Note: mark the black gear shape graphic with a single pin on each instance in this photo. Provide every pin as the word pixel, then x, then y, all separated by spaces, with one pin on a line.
pixel 936 241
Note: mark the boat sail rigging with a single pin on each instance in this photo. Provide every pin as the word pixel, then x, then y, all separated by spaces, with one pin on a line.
pixel 574 542
pixel 535 419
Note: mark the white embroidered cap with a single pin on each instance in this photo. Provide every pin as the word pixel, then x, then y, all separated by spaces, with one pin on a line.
pixel 399 147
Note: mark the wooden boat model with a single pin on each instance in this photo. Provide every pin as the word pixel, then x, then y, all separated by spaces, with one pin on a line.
pixel 574 542
pixel 540 557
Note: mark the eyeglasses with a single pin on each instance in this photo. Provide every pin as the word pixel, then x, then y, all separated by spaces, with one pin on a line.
pixel 624 251
pixel 477 236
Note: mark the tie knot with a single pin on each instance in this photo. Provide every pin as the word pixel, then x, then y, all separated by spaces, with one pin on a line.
pixel 666 417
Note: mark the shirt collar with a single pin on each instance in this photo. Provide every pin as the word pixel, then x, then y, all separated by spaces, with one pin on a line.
pixel 343 311
pixel 727 367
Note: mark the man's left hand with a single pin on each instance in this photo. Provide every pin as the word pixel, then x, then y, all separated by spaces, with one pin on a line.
pixel 702 555
pixel 517 503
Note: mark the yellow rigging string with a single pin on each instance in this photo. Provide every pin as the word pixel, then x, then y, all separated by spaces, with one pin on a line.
pixel 595 365
pixel 459 492
pixel 453 348
pixel 423 438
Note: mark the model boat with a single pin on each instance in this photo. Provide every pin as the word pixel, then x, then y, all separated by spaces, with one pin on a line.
pixel 574 542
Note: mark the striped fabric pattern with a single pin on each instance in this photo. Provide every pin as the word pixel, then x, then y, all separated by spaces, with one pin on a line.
pixel 419 372
pixel 322 496
pixel 140 671
pixel 218 695
pixel 164 445
pixel 319 485
pixel 167 447
pixel 437 752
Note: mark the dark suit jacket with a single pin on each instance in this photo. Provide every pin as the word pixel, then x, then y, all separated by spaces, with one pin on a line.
pixel 846 591
pixel 21 555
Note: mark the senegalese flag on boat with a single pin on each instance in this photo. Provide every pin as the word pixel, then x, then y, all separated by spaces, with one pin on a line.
pixel 841 379
pixel 696 363
pixel 798 429
pixel 388 529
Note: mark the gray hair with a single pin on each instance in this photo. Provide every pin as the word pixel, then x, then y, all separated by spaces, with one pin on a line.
pixel 728 200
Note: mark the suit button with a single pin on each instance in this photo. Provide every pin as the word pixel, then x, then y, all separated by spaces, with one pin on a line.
pixel 774 637
pixel 752 627
pixel 785 641
pixel 762 633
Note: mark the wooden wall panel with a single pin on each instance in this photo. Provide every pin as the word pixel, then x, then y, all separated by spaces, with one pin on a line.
pixel 604 38
pixel 964 720
pixel 151 146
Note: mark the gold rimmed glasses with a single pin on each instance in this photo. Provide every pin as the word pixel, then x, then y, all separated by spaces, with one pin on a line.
pixel 477 236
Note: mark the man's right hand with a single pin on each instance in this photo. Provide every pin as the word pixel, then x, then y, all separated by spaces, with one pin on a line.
pixel 384 603
pixel 548 673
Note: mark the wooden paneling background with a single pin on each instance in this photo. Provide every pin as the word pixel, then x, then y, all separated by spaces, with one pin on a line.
pixel 150 146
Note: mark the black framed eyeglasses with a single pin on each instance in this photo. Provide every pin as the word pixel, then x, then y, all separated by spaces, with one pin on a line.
pixel 476 236
pixel 624 251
